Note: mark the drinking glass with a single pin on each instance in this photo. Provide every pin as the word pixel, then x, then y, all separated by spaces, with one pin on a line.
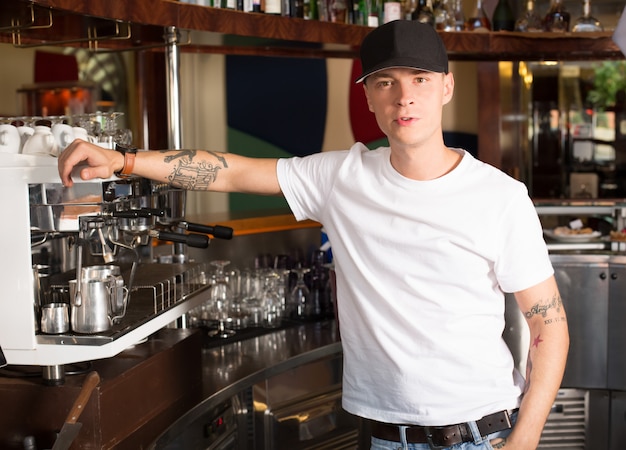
pixel 250 301
pixel 200 315
pixel 220 296
pixel 270 301
pixel 90 123
pixel 238 315
pixel 300 296
pixel 109 129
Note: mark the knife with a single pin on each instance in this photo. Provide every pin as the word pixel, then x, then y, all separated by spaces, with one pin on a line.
pixel 3 360
pixel 71 427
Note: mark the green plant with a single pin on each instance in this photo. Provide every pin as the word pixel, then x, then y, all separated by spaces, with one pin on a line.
pixel 609 78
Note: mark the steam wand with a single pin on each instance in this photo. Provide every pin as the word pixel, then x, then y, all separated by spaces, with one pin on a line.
pixel 78 299
pixel 107 253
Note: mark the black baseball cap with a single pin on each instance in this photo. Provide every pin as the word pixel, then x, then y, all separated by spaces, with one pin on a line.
pixel 403 43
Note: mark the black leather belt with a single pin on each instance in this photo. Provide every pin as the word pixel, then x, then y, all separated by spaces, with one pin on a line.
pixel 443 436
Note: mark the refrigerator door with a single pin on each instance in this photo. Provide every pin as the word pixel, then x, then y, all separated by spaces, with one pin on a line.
pixel 617 436
pixel 583 282
pixel 617 330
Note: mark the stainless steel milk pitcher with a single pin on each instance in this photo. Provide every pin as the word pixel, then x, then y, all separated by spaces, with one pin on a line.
pixel 102 302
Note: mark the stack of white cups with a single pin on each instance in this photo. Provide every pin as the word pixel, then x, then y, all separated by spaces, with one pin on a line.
pixel 49 136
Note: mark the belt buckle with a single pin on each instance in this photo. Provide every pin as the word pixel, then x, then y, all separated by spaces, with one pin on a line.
pixel 429 440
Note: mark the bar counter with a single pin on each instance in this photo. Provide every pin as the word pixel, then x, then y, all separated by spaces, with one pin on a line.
pixel 156 389
pixel 229 367
pixel 235 364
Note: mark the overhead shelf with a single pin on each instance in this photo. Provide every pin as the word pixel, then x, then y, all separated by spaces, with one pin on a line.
pixel 512 46
pixel 124 25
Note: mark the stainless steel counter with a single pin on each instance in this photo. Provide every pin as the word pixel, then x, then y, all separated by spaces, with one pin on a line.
pixel 227 368
pixel 233 367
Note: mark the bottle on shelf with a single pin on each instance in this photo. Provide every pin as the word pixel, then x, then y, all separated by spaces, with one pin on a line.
pixel 373 12
pixel 309 10
pixel 338 11
pixel 557 18
pixel 273 7
pixel 503 18
pixel 359 14
pixel 444 16
pixel 323 10
pixel 586 22
pixel 408 7
pixel 478 20
pixel 424 12
pixel 292 8
pixel 459 15
pixel 439 12
pixel 530 21
pixel 297 8
pixel 392 10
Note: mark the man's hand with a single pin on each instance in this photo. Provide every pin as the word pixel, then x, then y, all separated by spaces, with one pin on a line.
pixel 101 162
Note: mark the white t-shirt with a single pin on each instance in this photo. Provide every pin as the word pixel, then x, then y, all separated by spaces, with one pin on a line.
pixel 421 270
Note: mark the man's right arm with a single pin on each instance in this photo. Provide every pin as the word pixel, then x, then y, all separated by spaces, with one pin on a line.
pixel 187 169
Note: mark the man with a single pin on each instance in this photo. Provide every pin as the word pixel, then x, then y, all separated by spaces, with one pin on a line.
pixel 426 240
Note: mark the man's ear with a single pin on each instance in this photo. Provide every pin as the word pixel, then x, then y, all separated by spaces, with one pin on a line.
pixel 448 87
pixel 367 98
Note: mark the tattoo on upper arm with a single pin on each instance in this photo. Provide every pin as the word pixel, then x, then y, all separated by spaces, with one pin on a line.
pixel 194 175
pixel 543 307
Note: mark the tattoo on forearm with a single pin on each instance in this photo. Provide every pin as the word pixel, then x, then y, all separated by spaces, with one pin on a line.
pixel 181 154
pixel 220 158
pixel 193 175
pixel 500 444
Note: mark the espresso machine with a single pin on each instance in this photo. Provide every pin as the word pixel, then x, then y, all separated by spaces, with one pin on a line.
pixel 78 278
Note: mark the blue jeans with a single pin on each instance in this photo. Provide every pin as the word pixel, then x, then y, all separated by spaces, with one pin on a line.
pixel 479 443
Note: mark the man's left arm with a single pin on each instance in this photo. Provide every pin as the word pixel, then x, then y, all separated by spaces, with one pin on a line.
pixel 549 343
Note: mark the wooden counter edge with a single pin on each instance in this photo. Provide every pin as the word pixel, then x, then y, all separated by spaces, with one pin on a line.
pixel 251 223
